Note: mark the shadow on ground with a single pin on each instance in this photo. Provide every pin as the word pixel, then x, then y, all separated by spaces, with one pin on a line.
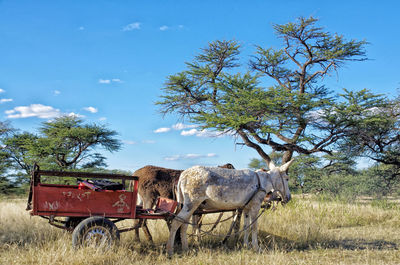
pixel 271 241
pixel 267 241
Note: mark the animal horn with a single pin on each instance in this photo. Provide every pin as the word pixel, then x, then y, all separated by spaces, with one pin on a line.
pixel 286 166
pixel 271 165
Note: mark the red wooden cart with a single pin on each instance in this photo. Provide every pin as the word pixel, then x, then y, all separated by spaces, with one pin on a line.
pixel 91 212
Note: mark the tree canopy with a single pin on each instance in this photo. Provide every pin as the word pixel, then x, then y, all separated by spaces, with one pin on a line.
pixel 4 157
pixel 298 113
pixel 376 133
pixel 63 143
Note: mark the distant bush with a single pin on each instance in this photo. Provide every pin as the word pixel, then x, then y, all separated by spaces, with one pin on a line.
pixel 385 204
pixel 376 182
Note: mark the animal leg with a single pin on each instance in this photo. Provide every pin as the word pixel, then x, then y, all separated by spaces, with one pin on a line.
pixel 235 225
pixel 254 228
pixel 253 213
pixel 178 239
pixel 184 240
pixel 182 217
pixel 246 229
pixel 196 219
pixel 170 243
pixel 148 203
pixel 236 228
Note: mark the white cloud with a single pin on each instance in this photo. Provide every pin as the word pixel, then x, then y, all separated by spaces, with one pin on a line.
pixel 4 100
pixel 57 92
pixel 81 28
pixel 109 81
pixel 181 126
pixel 202 133
pixel 104 81
pixel 129 142
pixel 205 133
pixel 2 90
pixel 73 114
pixel 132 26
pixel 102 119
pixel 192 132
pixel 91 109
pixel 188 157
pixel 164 27
pixel 34 110
pixel 172 158
pixel 39 111
pixel 162 130
pixel 189 132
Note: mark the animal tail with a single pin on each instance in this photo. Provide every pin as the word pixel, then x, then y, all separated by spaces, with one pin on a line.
pixel 139 200
pixel 179 194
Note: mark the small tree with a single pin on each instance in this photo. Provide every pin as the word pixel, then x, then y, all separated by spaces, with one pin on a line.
pixel 65 143
pixel 4 158
pixel 294 115
pixel 6 185
pixel 16 146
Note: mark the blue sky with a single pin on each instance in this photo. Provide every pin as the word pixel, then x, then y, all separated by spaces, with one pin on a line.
pixel 107 60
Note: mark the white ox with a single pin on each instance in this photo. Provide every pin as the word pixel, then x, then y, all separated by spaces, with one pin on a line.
pixel 225 189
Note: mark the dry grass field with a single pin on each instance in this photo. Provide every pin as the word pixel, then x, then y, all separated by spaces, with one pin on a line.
pixel 306 231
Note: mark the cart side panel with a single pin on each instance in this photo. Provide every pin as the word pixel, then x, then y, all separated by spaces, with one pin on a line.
pixel 62 200
pixel 134 198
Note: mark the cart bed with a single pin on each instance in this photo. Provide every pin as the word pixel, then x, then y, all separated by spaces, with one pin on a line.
pixel 75 201
pixel 69 200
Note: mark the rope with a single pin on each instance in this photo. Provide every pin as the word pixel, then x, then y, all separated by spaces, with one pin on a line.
pixel 265 207
pixel 213 227
pixel 180 219
pixel 259 188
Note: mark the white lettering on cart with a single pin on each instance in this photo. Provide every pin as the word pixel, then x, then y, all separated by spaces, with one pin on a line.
pixel 121 204
pixel 79 196
pixel 82 196
pixel 51 206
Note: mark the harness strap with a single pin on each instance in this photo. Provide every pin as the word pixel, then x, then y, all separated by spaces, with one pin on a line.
pixel 259 188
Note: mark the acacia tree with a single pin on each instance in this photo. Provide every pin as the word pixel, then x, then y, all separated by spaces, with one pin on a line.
pixel 296 114
pixel 376 134
pixel 6 185
pixel 63 143
pixel 4 128
pixel 16 146
pixel 4 158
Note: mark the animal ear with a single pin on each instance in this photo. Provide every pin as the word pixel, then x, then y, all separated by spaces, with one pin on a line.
pixel 286 166
pixel 271 165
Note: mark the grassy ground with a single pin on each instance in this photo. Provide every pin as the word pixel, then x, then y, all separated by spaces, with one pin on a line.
pixel 306 231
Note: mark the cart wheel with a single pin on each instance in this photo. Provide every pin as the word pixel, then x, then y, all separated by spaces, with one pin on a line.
pixel 95 231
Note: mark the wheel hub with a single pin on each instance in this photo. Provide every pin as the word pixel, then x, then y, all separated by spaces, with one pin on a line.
pixel 98 236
